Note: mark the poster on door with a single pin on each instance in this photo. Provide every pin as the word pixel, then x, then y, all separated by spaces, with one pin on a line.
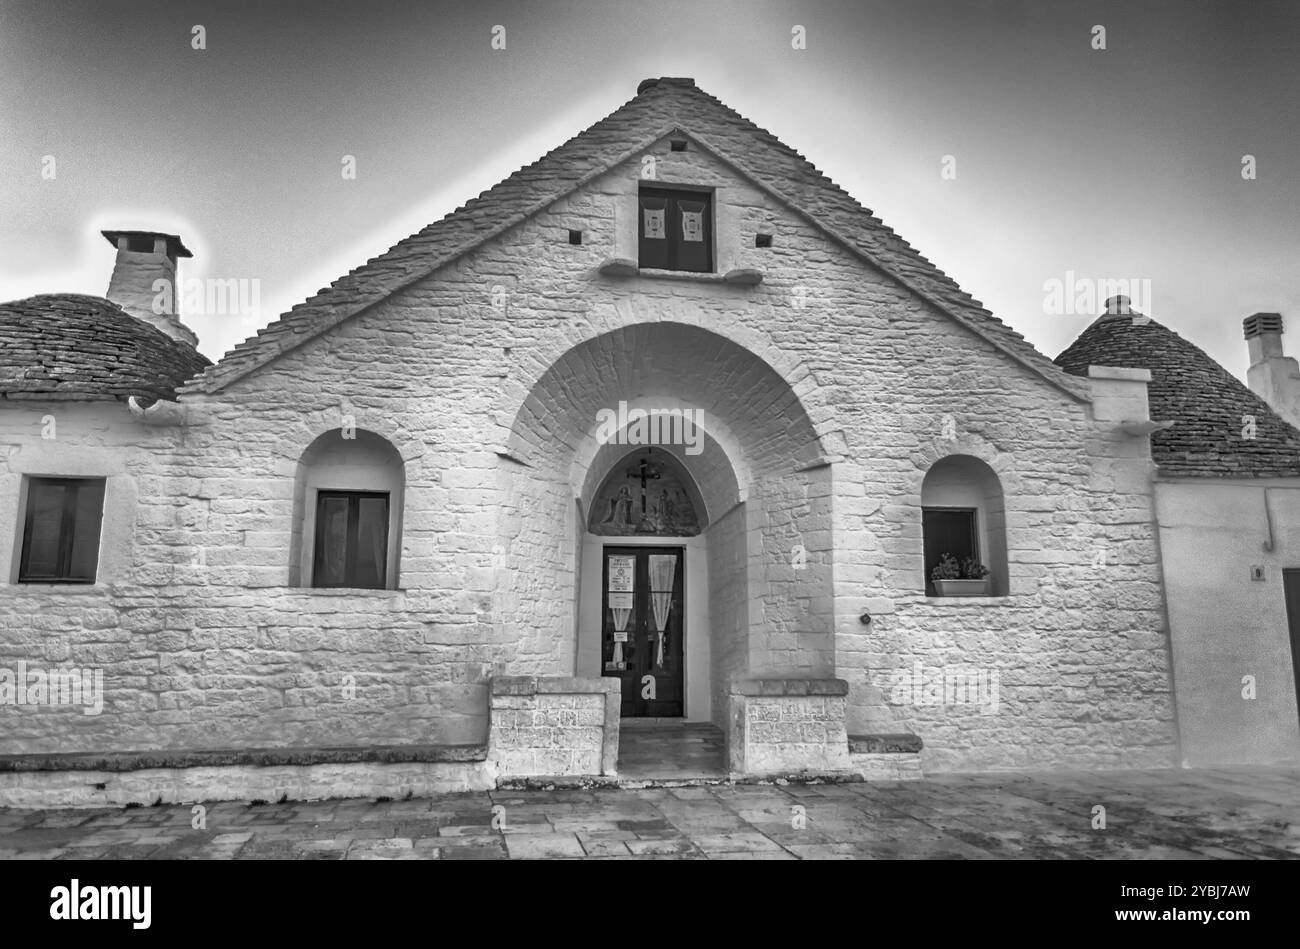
pixel 622 571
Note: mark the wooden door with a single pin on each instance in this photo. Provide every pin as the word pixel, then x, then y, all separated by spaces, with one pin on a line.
pixel 642 627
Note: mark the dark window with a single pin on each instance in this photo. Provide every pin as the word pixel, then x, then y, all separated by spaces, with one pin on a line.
pixel 61 530
pixel 575 237
pixel 762 240
pixel 351 539
pixel 676 230
pixel 140 245
pixel 947 530
pixel 678 144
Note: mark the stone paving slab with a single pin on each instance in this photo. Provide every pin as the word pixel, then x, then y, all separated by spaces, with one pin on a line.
pixel 1148 815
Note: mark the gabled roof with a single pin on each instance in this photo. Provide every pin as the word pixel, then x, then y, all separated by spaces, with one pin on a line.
pixel 1203 400
pixel 660 107
pixel 68 346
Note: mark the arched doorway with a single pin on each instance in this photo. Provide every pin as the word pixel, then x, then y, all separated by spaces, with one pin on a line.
pixel 730 534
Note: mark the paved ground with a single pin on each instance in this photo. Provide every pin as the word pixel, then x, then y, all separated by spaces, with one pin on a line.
pixel 1165 814
pixel 671 748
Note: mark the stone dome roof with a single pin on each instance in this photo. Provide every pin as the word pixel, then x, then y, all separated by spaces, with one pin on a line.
pixel 1205 402
pixel 69 346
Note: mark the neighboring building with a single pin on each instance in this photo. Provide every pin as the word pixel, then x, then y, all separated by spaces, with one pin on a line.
pixel 1227 494
pixel 666 424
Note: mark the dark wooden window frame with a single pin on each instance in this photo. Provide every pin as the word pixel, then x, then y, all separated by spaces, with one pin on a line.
pixel 354 499
pixel 974 537
pixel 673 237
pixel 67 530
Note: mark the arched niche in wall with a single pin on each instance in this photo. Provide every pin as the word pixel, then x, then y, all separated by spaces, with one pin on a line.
pixel 348 501
pixel 964 514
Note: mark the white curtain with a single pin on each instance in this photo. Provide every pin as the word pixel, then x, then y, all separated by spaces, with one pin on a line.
pixel 620 624
pixel 663 567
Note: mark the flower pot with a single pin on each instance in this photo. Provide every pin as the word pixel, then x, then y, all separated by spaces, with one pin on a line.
pixel 962 587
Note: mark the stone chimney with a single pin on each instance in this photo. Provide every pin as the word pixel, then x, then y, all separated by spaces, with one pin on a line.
pixel 143 258
pixel 1272 376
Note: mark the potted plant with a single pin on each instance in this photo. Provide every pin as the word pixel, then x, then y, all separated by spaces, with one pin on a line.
pixel 967 577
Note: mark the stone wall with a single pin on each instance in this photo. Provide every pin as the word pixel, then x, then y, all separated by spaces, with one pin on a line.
pixel 554 726
pixel 206 644
pixel 785 726
pixel 728 607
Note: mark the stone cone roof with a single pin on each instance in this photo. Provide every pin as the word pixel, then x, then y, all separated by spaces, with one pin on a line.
pixel 68 346
pixel 1203 400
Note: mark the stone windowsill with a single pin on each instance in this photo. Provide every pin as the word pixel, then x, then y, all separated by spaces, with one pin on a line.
pixel 77 589
pixel 622 267
pixel 987 601
pixel 347 591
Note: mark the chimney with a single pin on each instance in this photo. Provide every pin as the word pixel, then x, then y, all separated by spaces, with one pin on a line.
pixel 1272 376
pixel 143 258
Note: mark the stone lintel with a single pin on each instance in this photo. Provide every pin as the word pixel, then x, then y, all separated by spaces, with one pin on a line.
pixel 554 685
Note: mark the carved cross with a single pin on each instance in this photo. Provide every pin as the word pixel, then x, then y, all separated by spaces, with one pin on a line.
pixel 645 472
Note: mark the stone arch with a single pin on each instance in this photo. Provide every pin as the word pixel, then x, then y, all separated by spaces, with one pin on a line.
pixel 583 333
pixel 296 440
pixel 966 443
pixel 764 476
pixel 718 468
pixel 346 460
pixel 679 363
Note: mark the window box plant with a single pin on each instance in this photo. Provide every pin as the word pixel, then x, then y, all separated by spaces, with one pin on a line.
pixel 967 577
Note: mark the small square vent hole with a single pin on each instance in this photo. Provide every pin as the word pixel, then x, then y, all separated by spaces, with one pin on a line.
pixel 762 240
pixel 678 144
pixel 575 237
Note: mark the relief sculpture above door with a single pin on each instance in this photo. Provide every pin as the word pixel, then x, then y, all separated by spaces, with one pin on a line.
pixel 644 495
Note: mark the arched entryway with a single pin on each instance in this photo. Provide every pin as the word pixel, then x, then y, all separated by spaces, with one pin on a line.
pixel 737 486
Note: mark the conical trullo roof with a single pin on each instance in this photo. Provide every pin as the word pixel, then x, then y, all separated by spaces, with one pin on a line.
pixel 1210 408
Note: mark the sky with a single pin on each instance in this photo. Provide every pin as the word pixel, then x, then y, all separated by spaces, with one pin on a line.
pixel 1116 163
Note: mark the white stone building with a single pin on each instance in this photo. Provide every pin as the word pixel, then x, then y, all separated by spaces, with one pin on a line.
pixel 418 532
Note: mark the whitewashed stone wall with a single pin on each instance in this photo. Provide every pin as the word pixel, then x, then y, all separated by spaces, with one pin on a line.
pixel 223 652
pixel 782 726
pixel 554 726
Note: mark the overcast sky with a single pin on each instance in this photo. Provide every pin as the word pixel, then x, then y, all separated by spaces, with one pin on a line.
pixel 1122 163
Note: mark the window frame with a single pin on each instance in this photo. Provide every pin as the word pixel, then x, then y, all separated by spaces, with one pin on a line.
pixel 673 194
pixel 974 513
pixel 350 541
pixel 67 529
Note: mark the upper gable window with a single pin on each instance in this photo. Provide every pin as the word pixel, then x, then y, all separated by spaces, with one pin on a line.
pixel 676 230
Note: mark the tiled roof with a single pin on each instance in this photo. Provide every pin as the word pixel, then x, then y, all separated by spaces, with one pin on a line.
pixel 69 346
pixel 1205 402
pixel 661 107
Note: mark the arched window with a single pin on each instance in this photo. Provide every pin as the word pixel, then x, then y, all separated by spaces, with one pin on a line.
pixel 964 517
pixel 348 512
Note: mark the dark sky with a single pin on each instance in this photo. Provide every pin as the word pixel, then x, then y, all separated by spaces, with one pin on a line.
pixel 1123 163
